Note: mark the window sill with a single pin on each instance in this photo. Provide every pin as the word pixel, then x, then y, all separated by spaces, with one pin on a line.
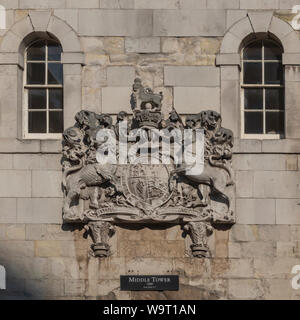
pixel 261 137
pixel 44 137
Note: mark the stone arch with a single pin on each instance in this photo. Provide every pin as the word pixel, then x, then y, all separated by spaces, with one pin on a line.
pixel 253 26
pixel 38 23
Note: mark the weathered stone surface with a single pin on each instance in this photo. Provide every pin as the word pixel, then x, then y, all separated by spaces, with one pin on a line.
pixel 117 4
pixel 276 184
pixel 157 4
pixel 172 23
pixel 233 16
pixel 192 4
pixel 113 99
pixel 8 210
pixel 259 4
pixel 70 16
pixel 88 4
pixel 39 210
pixel 255 211
pixel 15 183
pixel 244 184
pixel 191 100
pixel 142 45
pixel 39 19
pixel 191 76
pixel 132 23
pixel 223 4
pixel 245 289
pixel 36 4
pixel 232 268
pixel 287 211
pixel 120 76
pixel 46 184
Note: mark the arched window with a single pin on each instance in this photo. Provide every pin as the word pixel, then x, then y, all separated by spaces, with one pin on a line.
pixel 262 90
pixel 43 90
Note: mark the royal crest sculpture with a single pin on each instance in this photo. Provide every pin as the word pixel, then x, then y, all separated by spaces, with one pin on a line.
pixel 134 192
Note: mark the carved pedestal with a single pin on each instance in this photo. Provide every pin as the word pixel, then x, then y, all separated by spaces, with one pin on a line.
pixel 101 233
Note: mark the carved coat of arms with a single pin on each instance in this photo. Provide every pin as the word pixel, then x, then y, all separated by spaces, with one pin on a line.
pixel 102 195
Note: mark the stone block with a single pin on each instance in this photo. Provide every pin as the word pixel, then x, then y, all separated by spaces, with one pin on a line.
pixel 112 268
pixel 86 4
pixel 43 288
pixel 279 289
pixel 274 267
pixel 157 4
pixel 192 4
pixel 191 100
pixel 117 4
pixel 37 4
pixel 174 233
pixel 14 145
pixel 16 248
pixel 48 248
pixel 23 28
pixel 281 146
pixel 94 76
pixel 173 23
pixel 260 20
pixel 70 16
pixel 142 45
pixel 247 146
pixel 8 210
pixel 15 183
pixel 230 44
pixel 276 184
pixel 167 249
pixel 242 29
pixel 243 233
pixel 223 4
pixel 74 287
pixel 52 146
pixel 281 29
pixel 287 249
pixel 274 233
pixel 72 58
pixel 292 110
pixel 91 99
pixel 244 184
pixel 39 19
pixel 10 43
pixel 144 266
pixel 39 210
pixel 72 98
pixel 131 23
pixel 116 99
pixel 15 232
pixel 259 4
pixel 6 161
pixel 10 4
pixel 36 161
pixel 287 4
pixel 255 211
pixel 46 184
pixel 228 59
pixel 233 16
pixel 120 76
pixel 258 249
pixel 287 211
pixel 291 43
pixel 204 76
pixel 245 289
pixel 232 268
pixel 264 162
pixel 229 102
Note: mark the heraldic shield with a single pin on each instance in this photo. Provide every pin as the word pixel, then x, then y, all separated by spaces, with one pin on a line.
pixel 144 190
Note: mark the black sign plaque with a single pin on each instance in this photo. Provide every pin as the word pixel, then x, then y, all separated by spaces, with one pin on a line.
pixel 149 283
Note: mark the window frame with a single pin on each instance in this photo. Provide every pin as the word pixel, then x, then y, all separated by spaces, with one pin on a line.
pixel 260 136
pixel 26 87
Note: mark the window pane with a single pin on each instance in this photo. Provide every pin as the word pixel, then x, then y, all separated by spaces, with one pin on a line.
pixel 35 73
pixel 36 51
pixel 275 122
pixel 253 98
pixel 253 122
pixel 37 122
pixel 273 73
pixel 55 98
pixel 275 98
pixel 272 51
pixel 37 99
pixel 55 121
pixel 253 51
pixel 55 73
pixel 252 73
pixel 54 51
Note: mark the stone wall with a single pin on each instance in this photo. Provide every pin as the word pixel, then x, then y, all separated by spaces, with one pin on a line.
pixel 172 45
